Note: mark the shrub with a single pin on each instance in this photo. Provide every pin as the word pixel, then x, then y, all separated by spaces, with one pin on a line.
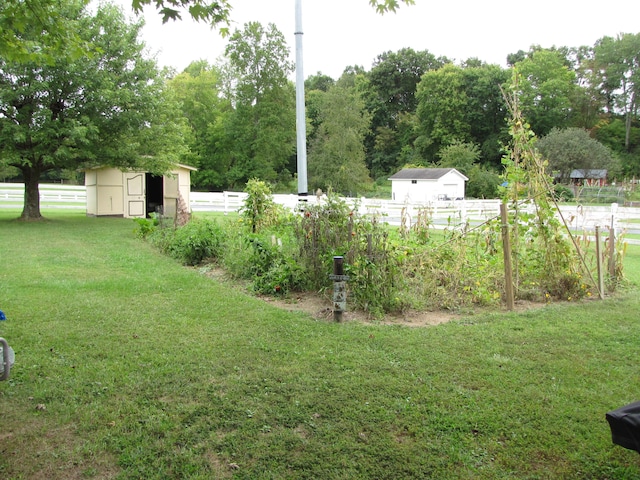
pixel 563 193
pixel 146 226
pixel 259 210
pixel 192 244
pixel 274 270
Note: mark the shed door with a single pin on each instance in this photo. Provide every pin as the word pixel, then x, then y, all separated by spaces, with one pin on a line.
pixel 134 202
pixel 450 191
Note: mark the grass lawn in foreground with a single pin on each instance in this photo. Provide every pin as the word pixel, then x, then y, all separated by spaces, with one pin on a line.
pixel 129 365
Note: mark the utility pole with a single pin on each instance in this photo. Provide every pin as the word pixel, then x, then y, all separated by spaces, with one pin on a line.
pixel 301 121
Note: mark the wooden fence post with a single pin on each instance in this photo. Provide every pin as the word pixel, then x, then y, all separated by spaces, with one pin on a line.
pixel 599 262
pixel 506 247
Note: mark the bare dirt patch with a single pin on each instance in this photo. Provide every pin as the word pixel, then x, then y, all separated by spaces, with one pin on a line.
pixel 320 306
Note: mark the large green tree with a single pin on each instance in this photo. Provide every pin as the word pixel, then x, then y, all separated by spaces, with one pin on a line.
pixel 261 129
pixel 205 109
pixel 617 66
pixel 111 108
pixel 573 149
pixel 547 87
pixel 336 154
pixel 390 95
pixel 486 109
pixel 442 106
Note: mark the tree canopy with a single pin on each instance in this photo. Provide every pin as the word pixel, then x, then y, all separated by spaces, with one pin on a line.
pixel 573 149
pixel 336 156
pixel 112 109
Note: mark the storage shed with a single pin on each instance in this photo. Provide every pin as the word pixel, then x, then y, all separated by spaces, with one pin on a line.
pixel 589 177
pixel 423 185
pixel 131 193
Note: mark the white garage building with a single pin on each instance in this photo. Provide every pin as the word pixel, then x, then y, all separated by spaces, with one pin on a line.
pixel 424 185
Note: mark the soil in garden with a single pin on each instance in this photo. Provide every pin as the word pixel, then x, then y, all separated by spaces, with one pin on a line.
pixel 319 306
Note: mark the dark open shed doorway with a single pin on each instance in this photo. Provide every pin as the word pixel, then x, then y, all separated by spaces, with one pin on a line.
pixel 154 193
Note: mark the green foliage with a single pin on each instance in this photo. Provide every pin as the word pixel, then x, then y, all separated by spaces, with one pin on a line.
pixel 617 72
pixel 146 226
pixel 55 36
pixel 109 108
pixel 259 133
pixel 563 193
pixel 483 183
pixel 573 148
pixel 390 96
pixel 259 210
pixel 198 90
pixel 546 89
pixel 443 101
pixel 336 155
pixel 194 243
pixel 272 268
pixel 459 155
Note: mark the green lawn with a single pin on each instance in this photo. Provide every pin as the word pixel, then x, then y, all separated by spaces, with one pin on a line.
pixel 132 366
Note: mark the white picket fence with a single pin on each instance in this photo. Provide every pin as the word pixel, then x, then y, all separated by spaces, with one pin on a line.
pixel 51 196
pixel 388 210
pixel 442 213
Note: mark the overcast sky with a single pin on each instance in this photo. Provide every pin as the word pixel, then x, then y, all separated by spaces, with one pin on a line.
pixel 341 33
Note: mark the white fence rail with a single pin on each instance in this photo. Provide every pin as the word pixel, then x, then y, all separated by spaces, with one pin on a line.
pixel 442 213
pixel 51 195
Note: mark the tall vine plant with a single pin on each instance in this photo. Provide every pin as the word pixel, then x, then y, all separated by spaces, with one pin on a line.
pixel 546 257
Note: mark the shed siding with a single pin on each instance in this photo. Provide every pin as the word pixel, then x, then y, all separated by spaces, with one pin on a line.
pixel 421 190
pixel 106 191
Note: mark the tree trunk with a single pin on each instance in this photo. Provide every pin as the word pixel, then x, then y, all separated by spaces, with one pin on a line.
pixel 31 209
pixel 627 136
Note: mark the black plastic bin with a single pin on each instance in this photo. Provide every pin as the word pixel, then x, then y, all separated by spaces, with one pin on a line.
pixel 625 426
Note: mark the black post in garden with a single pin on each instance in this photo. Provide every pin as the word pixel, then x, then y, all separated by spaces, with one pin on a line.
pixel 339 288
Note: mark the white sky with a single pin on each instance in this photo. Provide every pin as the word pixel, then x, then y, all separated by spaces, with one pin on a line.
pixel 340 33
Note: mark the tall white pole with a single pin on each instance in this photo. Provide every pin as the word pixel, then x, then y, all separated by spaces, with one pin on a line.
pixel 301 123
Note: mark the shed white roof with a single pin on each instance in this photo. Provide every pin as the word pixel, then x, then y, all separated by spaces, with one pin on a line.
pixel 424 174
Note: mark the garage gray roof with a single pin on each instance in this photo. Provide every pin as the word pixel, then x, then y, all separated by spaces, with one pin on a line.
pixel 589 173
pixel 423 173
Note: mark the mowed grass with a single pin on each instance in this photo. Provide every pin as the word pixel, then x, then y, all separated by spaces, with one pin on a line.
pixel 129 365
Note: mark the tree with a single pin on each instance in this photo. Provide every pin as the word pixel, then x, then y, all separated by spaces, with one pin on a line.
pixel 612 132
pixel 483 182
pixel 546 88
pixel 336 155
pixel 390 94
pixel 459 155
pixel 261 128
pixel 617 65
pixel 34 31
pixel 441 111
pixel 486 110
pixel 572 148
pixel 205 109
pixel 319 81
pixel 110 109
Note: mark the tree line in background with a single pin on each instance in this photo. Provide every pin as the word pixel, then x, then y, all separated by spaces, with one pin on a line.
pixel 411 108
pixel 235 120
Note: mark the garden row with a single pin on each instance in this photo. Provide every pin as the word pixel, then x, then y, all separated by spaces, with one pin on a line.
pixel 390 269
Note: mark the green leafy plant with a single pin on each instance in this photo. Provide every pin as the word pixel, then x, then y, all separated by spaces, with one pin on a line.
pixel 259 210
pixel 146 226
pixel 192 244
